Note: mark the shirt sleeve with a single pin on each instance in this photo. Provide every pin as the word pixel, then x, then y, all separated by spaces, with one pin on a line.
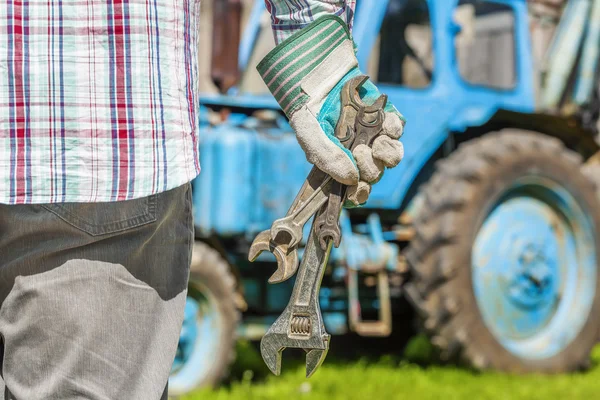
pixel 290 16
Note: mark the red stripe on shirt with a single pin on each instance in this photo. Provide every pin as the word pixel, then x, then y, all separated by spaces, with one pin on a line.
pixel 121 100
pixel 19 98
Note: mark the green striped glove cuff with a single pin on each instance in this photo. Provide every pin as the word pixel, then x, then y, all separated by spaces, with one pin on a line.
pixel 305 67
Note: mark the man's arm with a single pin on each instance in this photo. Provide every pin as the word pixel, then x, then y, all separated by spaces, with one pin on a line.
pixel 290 16
pixel 307 73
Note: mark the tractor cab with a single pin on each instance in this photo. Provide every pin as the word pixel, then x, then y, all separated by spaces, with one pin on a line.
pixel 446 68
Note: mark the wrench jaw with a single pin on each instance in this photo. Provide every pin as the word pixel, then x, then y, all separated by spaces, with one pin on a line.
pixel 377 107
pixel 328 231
pixel 355 110
pixel 314 359
pixel 284 273
pixel 287 260
pixel 327 235
pixel 296 330
pixel 352 96
pixel 286 226
pixel 271 354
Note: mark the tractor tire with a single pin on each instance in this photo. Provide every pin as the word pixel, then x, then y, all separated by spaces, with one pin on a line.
pixel 493 282
pixel 207 343
pixel 592 171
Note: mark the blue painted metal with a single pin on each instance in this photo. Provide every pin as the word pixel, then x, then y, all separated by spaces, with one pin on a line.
pixel 563 52
pixel 367 23
pixel 589 59
pixel 449 103
pixel 335 323
pixel 250 176
pixel 198 344
pixel 358 250
pixel 534 268
pixel 250 35
pixel 238 161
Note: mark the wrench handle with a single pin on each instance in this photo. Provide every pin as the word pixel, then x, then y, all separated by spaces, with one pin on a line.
pixel 312 183
pixel 304 209
pixel 311 270
pixel 328 223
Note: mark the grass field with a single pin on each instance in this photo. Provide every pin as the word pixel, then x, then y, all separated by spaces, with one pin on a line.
pixel 402 378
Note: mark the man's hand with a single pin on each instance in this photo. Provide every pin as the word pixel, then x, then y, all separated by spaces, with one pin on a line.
pixel 306 74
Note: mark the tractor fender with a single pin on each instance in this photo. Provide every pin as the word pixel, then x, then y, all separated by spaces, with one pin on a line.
pixel 566 128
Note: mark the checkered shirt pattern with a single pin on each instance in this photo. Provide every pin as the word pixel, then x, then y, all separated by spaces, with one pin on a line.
pixel 99 98
pixel 290 16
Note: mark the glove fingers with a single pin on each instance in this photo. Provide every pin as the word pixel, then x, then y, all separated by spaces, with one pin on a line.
pixel 358 194
pixel 370 169
pixel 321 150
pixel 387 150
pixel 393 126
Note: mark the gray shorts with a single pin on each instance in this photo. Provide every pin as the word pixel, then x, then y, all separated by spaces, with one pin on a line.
pixel 92 296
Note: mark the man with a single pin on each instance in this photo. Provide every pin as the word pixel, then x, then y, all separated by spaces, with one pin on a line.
pixel 98 144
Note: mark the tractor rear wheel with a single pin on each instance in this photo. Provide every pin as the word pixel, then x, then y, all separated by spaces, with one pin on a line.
pixel 592 171
pixel 207 341
pixel 505 263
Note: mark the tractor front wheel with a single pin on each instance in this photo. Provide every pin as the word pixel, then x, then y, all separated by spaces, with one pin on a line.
pixel 505 262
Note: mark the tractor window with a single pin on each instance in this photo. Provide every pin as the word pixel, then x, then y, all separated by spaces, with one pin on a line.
pixel 485 46
pixel 403 54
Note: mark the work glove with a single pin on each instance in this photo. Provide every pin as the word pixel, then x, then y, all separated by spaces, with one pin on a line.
pixel 306 74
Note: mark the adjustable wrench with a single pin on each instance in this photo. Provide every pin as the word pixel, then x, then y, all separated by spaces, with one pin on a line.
pixel 301 323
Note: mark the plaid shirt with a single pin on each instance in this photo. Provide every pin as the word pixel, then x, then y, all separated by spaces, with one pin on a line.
pixel 98 98
pixel 290 16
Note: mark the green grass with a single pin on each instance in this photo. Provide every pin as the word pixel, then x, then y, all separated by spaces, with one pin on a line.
pixel 389 378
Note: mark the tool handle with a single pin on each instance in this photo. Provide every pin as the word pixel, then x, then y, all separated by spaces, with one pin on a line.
pixel 327 225
pixel 311 270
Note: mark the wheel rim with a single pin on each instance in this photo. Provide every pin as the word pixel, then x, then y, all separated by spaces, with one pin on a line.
pixel 198 341
pixel 534 268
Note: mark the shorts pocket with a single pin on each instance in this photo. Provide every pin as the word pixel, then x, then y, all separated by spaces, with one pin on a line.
pixel 106 218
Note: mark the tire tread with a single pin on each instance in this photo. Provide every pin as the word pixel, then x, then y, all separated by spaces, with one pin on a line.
pixel 429 254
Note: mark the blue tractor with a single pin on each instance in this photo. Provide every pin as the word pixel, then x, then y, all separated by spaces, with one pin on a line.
pixel 490 227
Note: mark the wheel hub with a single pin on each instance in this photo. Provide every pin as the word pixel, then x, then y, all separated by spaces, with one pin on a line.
pixel 532 275
pixel 534 268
